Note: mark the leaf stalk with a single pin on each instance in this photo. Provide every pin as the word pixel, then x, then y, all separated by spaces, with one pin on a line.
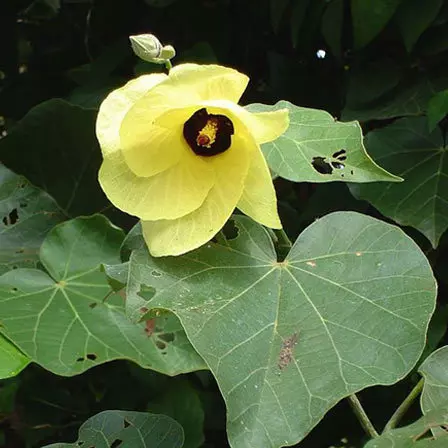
pixel 362 416
pixel 404 406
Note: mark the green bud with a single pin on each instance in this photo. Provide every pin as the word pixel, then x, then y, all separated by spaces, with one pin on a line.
pixel 149 48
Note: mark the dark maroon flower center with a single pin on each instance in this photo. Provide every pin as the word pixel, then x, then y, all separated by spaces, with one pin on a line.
pixel 208 134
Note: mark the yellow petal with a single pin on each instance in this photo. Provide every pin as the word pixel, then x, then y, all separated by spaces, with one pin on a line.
pixel 168 195
pixel 178 236
pixel 258 199
pixel 264 126
pixel 116 105
pixel 189 85
pixel 149 149
pixel 152 132
pixel 212 82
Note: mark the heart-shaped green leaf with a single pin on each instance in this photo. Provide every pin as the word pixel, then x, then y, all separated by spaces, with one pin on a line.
pixel 316 148
pixel 26 214
pixel 68 320
pixel 414 17
pixel 369 17
pixel 12 361
pixel 348 308
pixel 127 429
pixel 421 201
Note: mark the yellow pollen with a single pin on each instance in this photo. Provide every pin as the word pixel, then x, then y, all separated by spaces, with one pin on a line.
pixel 207 135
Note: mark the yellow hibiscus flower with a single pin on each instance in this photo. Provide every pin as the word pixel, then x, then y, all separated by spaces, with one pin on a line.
pixel 180 154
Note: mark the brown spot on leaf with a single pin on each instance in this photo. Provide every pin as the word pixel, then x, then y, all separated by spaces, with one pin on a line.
pixel 122 293
pixel 150 326
pixel 287 351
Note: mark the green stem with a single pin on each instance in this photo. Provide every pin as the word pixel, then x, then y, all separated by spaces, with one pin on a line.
pixel 401 410
pixel 283 239
pixel 168 65
pixel 362 416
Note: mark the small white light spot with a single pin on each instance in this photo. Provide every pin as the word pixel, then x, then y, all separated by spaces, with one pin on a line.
pixel 311 263
pixel 321 54
pixel 358 254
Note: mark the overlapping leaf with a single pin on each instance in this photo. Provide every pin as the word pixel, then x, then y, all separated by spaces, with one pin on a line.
pixel 127 429
pixel 316 148
pixel 68 321
pixel 437 109
pixel 12 361
pixel 410 97
pixel 348 308
pixel 414 16
pixel 369 17
pixel 55 148
pixel 181 402
pixel 435 372
pixel 421 201
pixel 415 435
pixel 26 214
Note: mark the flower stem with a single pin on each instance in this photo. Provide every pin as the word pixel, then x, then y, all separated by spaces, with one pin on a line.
pixel 168 65
pixel 404 406
pixel 283 239
pixel 282 243
pixel 362 416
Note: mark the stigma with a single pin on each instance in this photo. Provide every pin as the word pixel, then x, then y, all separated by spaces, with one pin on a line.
pixel 208 134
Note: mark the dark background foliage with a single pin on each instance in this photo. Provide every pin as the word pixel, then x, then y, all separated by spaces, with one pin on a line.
pixel 375 68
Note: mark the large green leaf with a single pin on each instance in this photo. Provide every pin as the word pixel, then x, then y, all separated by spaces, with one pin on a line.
pixel 298 14
pixel 369 17
pixel 434 41
pixel 348 308
pixel 12 361
pixel 127 429
pixel 414 16
pixel 437 109
pixel 435 371
pixel 316 148
pixel 68 320
pixel 415 435
pixel 99 78
pixel 421 201
pixel 409 98
pixel 27 214
pixel 332 26
pixel 181 402
pixel 55 147
pixel 370 81
pixel 42 10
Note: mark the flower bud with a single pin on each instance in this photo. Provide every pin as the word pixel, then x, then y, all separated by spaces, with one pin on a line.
pixel 149 48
